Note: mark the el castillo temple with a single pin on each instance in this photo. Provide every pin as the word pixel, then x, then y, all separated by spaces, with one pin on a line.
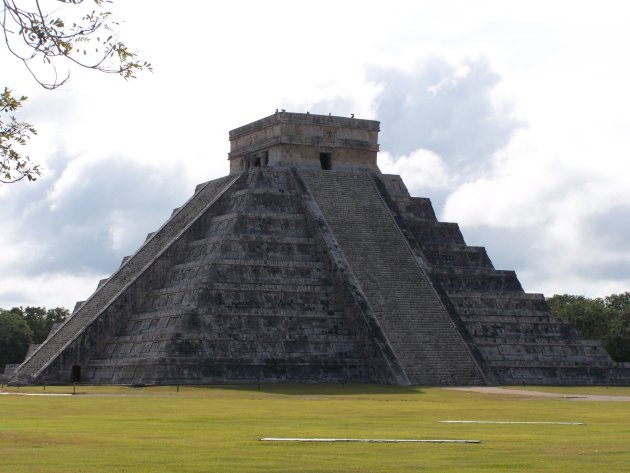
pixel 306 264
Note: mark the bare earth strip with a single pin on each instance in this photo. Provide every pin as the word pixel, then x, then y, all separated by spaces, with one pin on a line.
pixel 529 394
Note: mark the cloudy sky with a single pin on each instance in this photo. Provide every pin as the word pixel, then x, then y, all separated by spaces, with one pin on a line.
pixel 511 116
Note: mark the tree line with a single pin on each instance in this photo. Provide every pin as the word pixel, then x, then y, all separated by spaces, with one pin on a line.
pixel 606 319
pixel 21 326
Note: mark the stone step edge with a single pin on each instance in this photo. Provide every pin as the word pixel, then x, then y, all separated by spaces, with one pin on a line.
pixel 262 313
pixel 275 337
pixel 253 214
pixel 252 262
pixel 263 191
pixel 230 236
pixel 250 287
pixel 147 361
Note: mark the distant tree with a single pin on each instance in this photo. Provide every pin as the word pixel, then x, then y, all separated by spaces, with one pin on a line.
pixel 45 37
pixel 56 315
pixel 26 325
pixel 41 320
pixel 619 303
pixel 591 317
pixel 35 317
pixel 15 337
pixel 617 340
pixel 607 319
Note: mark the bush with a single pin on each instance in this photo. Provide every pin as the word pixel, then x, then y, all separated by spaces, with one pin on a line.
pixel 606 320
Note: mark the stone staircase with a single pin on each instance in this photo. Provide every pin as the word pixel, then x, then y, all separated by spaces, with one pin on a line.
pixel 517 338
pixel 250 300
pixel 418 328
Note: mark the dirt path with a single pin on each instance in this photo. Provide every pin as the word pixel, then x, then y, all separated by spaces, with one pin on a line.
pixel 531 394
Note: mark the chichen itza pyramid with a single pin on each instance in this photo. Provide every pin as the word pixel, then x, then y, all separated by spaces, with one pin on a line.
pixel 307 264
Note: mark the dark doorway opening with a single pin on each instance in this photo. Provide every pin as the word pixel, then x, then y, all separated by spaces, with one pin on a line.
pixel 76 374
pixel 325 159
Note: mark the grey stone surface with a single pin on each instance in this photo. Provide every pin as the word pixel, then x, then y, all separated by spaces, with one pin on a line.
pixel 300 140
pixel 287 272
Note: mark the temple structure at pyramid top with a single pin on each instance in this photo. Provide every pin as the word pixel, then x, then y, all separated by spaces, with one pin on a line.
pixel 307 264
pixel 305 141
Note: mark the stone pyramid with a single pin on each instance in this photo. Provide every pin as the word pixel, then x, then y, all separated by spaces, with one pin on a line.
pixel 307 264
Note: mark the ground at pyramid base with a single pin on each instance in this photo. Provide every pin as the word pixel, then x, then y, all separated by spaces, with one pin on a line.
pixel 306 264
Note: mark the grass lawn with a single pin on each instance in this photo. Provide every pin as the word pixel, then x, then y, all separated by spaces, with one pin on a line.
pixel 212 429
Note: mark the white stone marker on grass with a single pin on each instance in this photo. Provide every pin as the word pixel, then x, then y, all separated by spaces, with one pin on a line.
pixel 506 422
pixel 289 439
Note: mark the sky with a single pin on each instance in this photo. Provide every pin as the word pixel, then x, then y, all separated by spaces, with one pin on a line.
pixel 511 116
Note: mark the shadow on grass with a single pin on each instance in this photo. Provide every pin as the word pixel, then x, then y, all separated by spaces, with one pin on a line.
pixel 287 389
pixel 314 389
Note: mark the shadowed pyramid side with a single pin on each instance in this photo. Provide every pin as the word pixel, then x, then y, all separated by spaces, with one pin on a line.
pixel 250 300
pixel 82 333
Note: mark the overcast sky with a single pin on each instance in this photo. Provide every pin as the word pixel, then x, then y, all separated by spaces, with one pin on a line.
pixel 511 116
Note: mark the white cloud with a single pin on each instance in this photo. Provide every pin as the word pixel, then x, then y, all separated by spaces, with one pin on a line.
pixel 553 218
pixel 81 220
pixel 447 108
pixel 512 117
pixel 421 170
pixel 49 290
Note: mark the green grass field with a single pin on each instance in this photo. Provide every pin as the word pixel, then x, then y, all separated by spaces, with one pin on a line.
pixel 103 429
